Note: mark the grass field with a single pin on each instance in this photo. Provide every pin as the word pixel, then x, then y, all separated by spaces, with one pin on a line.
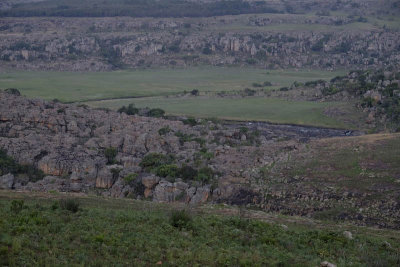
pixel 252 108
pixel 75 86
pixel 38 229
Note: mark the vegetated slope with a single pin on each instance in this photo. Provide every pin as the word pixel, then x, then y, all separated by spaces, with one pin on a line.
pixel 187 8
pixel 195 161
pixel 377 93
pixel 53 230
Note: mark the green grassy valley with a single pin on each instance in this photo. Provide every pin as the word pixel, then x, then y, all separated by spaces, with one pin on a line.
pixel 83 86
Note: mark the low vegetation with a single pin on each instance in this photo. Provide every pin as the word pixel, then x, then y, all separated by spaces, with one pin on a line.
pixel 38 231
pixel 24 173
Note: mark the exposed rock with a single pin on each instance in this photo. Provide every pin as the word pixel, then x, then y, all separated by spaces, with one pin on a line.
pixel 348 235
pixel 107 176
pixel 170 192
pixel 150 181
pixel 327 264
pixel 6 181
pixel 201 196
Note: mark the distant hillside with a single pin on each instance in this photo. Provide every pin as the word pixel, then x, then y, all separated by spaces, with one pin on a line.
pixel 182 8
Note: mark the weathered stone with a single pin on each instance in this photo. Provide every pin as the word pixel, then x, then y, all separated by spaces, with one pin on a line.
pixel 327 264
pixel 201 196
pixel 7 181
pixel 348 235
pixel 150 181
pixel 107 176
pixel 169 192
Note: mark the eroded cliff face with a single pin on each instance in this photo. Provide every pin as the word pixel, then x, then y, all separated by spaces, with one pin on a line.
pixel 68 143
pixel 105 43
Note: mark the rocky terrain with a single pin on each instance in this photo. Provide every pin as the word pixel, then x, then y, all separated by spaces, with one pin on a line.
pixel 113 154
pixel 264 40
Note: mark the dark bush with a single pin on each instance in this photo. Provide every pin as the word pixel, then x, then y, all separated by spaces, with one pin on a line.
pixel 267 83
pixel 164 130
pixel 251 61
pixel 130 109
pixel 205 175
pixel 249 92
pixel 195 92
pixel 130 178
pixel 154 160
pixel 207 50
pixel 187 173
pixel 331 90
pixel 190 121
pixel 167 170
pixel 9 165
pixel 156 112
pixel 13 91
pixel 181 219
pixel 71 205
pixel 110 154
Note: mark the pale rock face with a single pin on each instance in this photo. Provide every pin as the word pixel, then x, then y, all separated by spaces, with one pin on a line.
pixel 6 181
pixel 150 181
pixel 169 192
pixel 107 176
pixel 201 196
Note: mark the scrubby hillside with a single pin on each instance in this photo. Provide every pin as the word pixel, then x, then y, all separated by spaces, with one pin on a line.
pixel 271 167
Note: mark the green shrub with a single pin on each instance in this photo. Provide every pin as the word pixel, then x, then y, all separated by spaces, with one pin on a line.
pixel 190 121
pixel 110 154
pixel 205 175
pixel 267 83
pixel 154 160
pixel 9 165
pixel 130 109
pixel 130 178
pixel 156 112
pixel 331 90
pixel 13 91
pixel 167 170
pixel 250 92
pixel 164 130
pixel 257 85
pixel 181 219
pixel 187 173
pixel 71 205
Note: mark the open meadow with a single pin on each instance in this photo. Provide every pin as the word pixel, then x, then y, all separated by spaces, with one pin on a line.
pixel 250 108
pixel 149 88
pixel 83 86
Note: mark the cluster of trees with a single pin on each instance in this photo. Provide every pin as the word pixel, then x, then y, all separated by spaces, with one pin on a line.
pixel 137 8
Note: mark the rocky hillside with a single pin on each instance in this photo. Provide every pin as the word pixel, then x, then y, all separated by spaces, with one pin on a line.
pixel 375 92
pixel 265 40
pixel 76 149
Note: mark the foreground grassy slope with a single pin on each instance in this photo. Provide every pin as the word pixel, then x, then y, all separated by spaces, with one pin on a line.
pixel 75 86
pixel 126 232
pixel 251 108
